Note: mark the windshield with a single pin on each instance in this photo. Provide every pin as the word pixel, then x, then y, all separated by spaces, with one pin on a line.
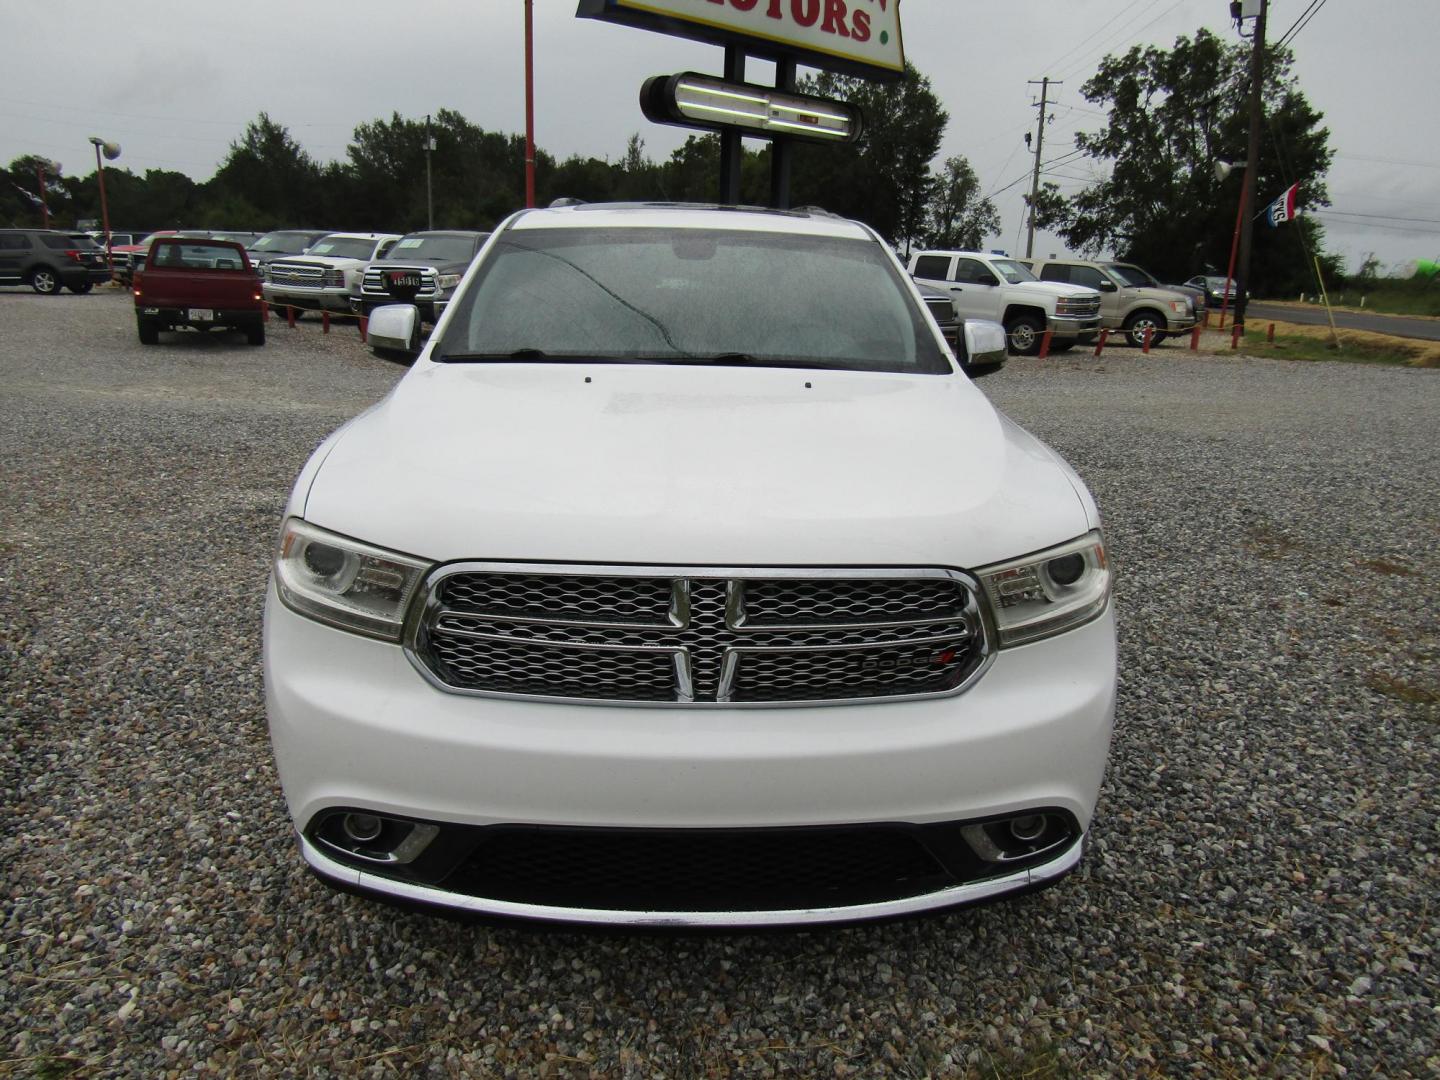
pixel 344 247
pixel 282 241
pixel 440 249
pixel 1012 271
pixel 691 296
pixel 1132 276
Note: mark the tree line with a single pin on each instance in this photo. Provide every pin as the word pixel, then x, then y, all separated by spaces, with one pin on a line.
pixel 1153 198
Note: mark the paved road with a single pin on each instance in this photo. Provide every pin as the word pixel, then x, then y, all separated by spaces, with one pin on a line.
pixel 1398 325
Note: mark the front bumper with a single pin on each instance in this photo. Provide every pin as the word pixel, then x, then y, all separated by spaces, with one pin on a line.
pixel 355 726
pixel 1062 326
pixel 333 299
pixel 430 310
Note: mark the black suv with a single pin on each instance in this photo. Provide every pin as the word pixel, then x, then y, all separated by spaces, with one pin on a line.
pixel 46 259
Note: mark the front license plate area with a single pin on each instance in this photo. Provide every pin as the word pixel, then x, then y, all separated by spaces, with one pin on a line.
pixel 202 314
pixel 404 281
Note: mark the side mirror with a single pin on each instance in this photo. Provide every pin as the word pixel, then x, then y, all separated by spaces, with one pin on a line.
pixel 1106 285
pixel 985 347
pixel 395 327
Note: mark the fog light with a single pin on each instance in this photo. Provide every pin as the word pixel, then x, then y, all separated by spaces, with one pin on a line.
pixel 362 828
pixel 1027 828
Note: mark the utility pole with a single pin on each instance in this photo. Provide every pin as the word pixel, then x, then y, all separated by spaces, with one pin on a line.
pixel 529 103
pixel 1039 146
pixel 1252 165
pixel 429 190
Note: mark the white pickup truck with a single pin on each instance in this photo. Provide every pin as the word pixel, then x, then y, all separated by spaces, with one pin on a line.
pixel 1000 289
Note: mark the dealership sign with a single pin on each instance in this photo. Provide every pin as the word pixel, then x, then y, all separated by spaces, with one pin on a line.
pixel 858 37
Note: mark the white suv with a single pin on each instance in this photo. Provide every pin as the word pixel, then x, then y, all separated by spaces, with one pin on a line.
pixel 329 275
pixel 1005 291
pixel 654 594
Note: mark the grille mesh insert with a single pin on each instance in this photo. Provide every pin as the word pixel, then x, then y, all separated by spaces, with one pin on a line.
pixel 652 637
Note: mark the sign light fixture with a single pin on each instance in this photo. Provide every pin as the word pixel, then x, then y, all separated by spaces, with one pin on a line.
pixel 702 101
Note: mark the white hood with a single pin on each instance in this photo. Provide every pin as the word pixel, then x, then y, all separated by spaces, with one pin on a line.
pixel 691 465
pixel 1058 288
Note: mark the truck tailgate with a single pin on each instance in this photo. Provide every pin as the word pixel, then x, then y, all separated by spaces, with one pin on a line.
pixel 170 287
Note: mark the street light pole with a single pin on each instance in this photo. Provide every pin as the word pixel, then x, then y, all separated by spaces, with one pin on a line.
pixel 112 151
pixel 40 175
pixel 529 104
pixel 1252 164
pixel 1222 170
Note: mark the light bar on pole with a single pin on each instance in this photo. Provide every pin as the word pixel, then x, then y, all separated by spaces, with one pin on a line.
pixel 692 100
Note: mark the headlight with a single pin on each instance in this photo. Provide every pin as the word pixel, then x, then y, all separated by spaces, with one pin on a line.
pixel 1048 592
pixel 343 582
pixel 1178 306
pixel 449 281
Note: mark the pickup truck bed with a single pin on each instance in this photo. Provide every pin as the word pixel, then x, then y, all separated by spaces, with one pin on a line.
pixel 206 284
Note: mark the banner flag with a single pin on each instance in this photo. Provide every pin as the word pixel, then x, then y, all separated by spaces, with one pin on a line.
pixel 1283 208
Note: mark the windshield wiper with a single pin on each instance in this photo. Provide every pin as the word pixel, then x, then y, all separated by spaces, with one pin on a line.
pixel 480 357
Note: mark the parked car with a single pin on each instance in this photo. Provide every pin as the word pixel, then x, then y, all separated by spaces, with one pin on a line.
pixel 328 276
pixel 127 258
pixel 48 259
pixel 979 344
pixel 685 580
pixel 282 242
pixel 1219 291
pixel 423 268
pixel 1130 299
pixel 1002 290
pixel 200 283
pixel 241 237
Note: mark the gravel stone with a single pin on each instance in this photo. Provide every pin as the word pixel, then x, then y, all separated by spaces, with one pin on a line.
pixel 1258 895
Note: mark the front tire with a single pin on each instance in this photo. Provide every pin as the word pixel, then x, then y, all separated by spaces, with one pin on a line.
pixel 1024 333
pixel 45 281
pixel 82 289
pixel 1136 325
pixel 148 331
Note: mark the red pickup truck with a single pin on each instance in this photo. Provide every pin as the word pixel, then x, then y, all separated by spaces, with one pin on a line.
pixel 207 284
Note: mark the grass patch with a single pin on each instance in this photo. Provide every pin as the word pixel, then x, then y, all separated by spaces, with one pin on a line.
pixel 1401 690
pixel 1296 342
pixel 1389 296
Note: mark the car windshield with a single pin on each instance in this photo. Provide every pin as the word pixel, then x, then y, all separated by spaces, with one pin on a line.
pixel 87 243
pixel 440 249
pixel 716 296
pixel 1220 282
pixel 195 256
pixel 282 241
pixel 344 247
pixel 1012 271
pixel 1132 276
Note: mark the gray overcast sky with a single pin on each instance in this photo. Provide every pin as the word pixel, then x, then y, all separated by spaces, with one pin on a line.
pixel 174 81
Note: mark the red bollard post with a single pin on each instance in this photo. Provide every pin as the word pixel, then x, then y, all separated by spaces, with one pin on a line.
pixel 1044 346
pixel 1149 333
pixel 1207 320
pixel 364 322
pixel 1195 337
pixel 325 322
pixel 1270 334
pixel 290 315
pixel 1100 342
pixel 1235 332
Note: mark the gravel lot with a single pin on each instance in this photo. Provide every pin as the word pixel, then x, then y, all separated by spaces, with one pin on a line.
pixel 1257 897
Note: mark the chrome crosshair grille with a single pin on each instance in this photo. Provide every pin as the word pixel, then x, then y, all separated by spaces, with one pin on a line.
pixel 659 635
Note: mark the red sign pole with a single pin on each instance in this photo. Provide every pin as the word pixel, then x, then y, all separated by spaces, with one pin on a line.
pixel 529 103
pixel 104 209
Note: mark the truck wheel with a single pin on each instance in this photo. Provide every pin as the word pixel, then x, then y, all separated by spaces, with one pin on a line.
pixel 255 333
pixel 1139 322
pixel 82 289
pixel 1025 332
pixel 149 332
pixel 44 281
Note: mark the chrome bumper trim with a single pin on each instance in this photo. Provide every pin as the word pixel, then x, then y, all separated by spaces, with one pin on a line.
pixel 911 905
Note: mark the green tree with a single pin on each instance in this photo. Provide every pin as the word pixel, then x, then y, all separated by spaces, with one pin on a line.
pixel 885 179
pixel 271 171
pixel 959 216
pixel 1172 114
pixel 21 187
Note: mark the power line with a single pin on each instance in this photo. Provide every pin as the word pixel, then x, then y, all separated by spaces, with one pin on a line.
pixel 1075 69
pixel 1103 28
pixel 1302 22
